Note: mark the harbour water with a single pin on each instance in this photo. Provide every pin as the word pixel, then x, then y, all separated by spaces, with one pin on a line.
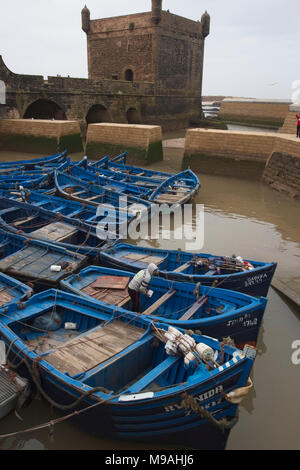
pixel 248 219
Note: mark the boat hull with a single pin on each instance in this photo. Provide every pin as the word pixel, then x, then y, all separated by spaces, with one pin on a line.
pixel 255 282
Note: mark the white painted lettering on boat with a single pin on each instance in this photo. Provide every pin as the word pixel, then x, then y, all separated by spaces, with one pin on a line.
pixel 116 460
pixel 199 398
pixel 258 279
pixel 245 321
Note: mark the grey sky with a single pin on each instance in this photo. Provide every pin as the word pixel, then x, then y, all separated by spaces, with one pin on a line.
pixel 252 50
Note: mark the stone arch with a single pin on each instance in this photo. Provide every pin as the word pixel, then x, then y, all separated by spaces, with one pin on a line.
pixel 45 109
pixel 98 113
pixel 2 92
pixel 133 116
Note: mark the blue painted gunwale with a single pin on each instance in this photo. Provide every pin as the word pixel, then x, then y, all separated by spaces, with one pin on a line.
pixel 119 164
pixel 19 291
pixel 254 282
pixel 107 183
pixel 240 319
pixel 157 418
pixel 56 158
pixel 64 181
pixel 33 179
pixel 87 239
pixel 82 212
pixel 143 181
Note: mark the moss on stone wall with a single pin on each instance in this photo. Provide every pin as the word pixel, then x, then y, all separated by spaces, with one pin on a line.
pixel 71 142
pixel 223 166
pixel 28 143
pixel 96 150
pixel 155 152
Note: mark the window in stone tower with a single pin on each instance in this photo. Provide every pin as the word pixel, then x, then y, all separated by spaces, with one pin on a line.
pixel 129 75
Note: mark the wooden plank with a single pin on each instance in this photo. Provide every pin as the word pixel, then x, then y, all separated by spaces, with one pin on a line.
pixel 56 231
pixel 182 267
pixel 5 296
pixel 111 282
pixel 135 256
pixel 159 302
pixel 24 221
pixel 86 351
pixel 194 308
pixel 18 258
pixel 153 259
pixel 93 197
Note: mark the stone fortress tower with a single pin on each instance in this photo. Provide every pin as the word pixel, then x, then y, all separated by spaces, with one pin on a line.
pixel 156 46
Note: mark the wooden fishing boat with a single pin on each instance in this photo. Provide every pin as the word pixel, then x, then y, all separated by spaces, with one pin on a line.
pixel 107 183
pixel 41 178
pixel 32 163
pixel 146 182
pixel 99 217
pixel 178 189
pixel 53 227
pixel 215 312
pixel 36 262
pixel 12 291
pixel 71 188
pixel 117 376
pixel 248 276
pixel 118 164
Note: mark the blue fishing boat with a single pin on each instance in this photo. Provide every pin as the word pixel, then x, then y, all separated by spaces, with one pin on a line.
pixel 71 188
pixel 58 158
pixel 233 273
pixel 107 183
pixel 118 164
pixel 123 377
pixel 12 291
pixel 99 217
pixel 35 222
pixel 38 179
pixel 178 189
pixel 37 262
pixel 215 312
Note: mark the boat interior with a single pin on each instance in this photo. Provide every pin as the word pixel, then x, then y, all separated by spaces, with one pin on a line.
pixel 97 350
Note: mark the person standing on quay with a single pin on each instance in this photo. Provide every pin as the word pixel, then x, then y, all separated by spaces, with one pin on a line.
pixel 298 125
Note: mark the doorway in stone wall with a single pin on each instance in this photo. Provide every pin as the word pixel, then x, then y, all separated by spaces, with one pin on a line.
pixel 133 116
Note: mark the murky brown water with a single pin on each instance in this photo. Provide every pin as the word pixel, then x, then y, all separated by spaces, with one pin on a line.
pixel 249 219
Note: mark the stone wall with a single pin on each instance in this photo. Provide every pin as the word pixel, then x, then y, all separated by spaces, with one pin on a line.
pixel 229 153
pixel 282 170
pixel 40 136
pixel 290 122
pixel 255 112
pixel 273 158
pixel 143 143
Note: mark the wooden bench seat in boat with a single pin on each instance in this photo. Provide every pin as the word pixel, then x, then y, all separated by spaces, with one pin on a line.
pixel 159 302
pixel 153 374
pixel 182 267
pixel 193 309
pixel 89 349
pixel 56 231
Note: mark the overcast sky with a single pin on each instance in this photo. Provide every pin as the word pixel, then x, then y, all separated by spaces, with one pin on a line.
pixel 252 50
